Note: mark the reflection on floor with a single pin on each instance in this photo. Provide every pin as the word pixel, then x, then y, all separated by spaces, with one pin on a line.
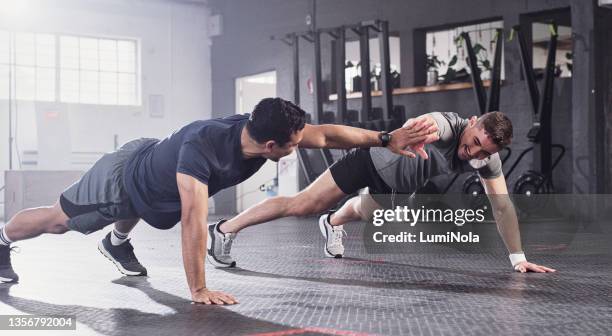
pixel 287 287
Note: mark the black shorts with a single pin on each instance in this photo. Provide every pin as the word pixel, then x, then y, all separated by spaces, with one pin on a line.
pixel 355 171
pixel 99 198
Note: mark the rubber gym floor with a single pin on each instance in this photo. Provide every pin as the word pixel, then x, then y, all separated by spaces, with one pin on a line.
pixel 286 286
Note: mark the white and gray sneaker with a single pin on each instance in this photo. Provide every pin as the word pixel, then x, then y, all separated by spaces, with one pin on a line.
pixel 219 246
pixel 333 237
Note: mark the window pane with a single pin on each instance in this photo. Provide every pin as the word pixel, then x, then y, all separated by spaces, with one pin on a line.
pixel 24 49
pixel 25 82
pixel 69 86
pixel 127 83
pixel 45 50
pixel 108 88
pixel 108 55
pixel 45 84
pixel 126 66
pixel 89 87
pixel 4 47
pixel 126 56
pixel 89 54
pixel 69 52
pixel 4 81
pixel 126 99
pixel 127 89
pixel 126 48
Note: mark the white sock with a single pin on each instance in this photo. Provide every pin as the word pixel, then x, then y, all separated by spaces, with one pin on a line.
pixel 4 239
pixel 118 238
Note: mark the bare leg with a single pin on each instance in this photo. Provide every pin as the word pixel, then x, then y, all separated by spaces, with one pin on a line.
pixel 319 196
pixel 30 223
pixel 358 207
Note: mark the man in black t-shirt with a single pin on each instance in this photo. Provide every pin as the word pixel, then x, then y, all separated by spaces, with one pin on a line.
pixel 169 180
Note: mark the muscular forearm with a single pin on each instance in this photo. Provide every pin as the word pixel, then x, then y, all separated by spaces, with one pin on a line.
pixel 194 235
pixel 345 137
pixel 507 223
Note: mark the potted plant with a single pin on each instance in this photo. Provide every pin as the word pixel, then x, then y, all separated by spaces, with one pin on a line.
pixel 451 73
pixel 357 78
pixel 375 77
pixel 433 64
pixel 483 61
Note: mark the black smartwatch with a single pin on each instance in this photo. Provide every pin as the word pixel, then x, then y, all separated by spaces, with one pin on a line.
pixel 385 138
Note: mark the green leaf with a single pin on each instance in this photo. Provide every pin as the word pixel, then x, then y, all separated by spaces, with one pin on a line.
pixel 458 40
pixel 511 37
pixel 478 48
pixel 486 64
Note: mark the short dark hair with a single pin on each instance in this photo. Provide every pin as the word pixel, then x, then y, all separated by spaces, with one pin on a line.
pixel 498 127
pixel 275 119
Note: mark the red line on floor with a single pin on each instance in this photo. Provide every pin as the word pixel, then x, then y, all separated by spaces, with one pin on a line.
pixel 327 331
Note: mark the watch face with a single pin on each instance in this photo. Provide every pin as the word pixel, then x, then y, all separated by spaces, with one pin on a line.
pixel 385 138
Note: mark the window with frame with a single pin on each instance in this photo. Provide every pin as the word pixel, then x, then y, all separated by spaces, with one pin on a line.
pixel 98 71
pixel 353 62
pixel 541 37
pixel 540 33
pixel 27 66
pixel 70 69
pixel 446 52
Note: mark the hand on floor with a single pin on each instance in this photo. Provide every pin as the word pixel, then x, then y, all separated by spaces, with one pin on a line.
pixel 526 266
pixel 206 296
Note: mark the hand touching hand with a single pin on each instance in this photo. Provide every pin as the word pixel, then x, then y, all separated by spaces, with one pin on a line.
pixel 413 136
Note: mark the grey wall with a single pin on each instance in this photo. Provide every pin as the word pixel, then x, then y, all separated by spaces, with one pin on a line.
pixel 245 48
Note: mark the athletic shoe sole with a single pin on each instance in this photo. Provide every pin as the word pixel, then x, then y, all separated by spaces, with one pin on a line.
pixel 209 256
pixel 108 256
pixel 324 233
pixel 8 280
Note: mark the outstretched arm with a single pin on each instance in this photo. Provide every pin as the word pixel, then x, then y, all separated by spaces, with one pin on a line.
pixel 338 136
pixel 507 224
pixel 194 213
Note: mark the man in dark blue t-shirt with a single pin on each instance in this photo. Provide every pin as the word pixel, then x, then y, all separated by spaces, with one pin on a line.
pixel 169 181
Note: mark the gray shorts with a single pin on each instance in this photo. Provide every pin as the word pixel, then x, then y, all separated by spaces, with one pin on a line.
pixel 99 198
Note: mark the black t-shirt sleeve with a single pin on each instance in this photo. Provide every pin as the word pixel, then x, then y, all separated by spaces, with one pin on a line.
pixel 194 161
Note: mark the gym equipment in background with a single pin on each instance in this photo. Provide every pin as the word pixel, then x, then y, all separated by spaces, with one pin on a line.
pixel 538 181
pixel 314 161
pixel 472 185
pixel 338 41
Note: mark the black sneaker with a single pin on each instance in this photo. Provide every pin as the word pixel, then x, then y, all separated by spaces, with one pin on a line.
pixel 7 274
pixel 122 256
pixel 219 246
